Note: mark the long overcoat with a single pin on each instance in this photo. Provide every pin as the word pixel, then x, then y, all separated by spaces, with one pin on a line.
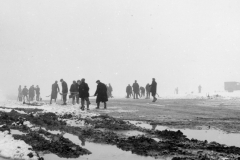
pixel 83 90
pixel 101 93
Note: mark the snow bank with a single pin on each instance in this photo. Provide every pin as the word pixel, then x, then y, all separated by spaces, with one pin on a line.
pixel 14 149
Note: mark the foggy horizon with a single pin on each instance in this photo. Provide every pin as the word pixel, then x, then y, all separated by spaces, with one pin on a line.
pixel 181 44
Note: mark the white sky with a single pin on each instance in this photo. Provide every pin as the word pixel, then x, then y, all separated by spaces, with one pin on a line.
pixel 181 43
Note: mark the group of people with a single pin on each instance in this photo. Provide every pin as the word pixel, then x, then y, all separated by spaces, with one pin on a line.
pixel 135 91
pixel 79 89
pixel 28 94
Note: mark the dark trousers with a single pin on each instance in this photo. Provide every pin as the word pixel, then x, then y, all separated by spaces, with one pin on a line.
pixel 128 94
pixel 37 97
pixel 77 98
pixel 135 94
pixel 64 98
pixel 148 94
pixel 83 100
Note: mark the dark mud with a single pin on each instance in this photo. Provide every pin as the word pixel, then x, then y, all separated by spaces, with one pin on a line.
pixel 171 143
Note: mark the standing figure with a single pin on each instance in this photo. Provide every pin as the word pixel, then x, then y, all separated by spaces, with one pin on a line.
pixel 55 90
pixel 64 91
pixel 176 90
pixel 142 89
pixel 110 90
pixel 74 91
pixel 199 89
pixel 25 93
pixel 83 94
pixel 31 93
pixel 37 93
pixel 135 90
pixel 148 91
pixel 77 96
pixel 101 94
pixel 20 93
pixel 154 89
pixel 129 91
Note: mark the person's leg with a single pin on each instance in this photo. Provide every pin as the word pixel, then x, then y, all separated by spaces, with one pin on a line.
pixel 105 105
pixel 82 104
pixel 51 100
pixel 73 99
pixel 134 94
pixel 88 102
pixel 98 105
pixel 77 99
pixel 65 98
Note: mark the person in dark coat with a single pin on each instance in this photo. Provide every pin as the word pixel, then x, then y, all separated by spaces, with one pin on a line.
pixel 77 96
pixel 64 91
pixel 74 91
pixel 55 90
pixel 25 93
pixel 20 93
pixel 83 94
pixel 31 93
pixel 129 90
pixel 148 91
pixel 37 93
pixel 142 89
pixel 135 90
pixel 101 94
pixel 154 89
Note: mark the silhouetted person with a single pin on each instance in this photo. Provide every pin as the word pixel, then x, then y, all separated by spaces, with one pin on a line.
pixel 64 91
pixel 129 91
pixel 25 93
pixel 74 91
pixel 148 91
pixel 77 96
pixel 101 94
pixel 199 89
pixel 142 89
pixel 37 93
pixel 55 90
pixel 154 89
pixel 20 93
pixel 176 90
pixel 31 93
pixel 135 90
pixel 110 90
pixel 83 94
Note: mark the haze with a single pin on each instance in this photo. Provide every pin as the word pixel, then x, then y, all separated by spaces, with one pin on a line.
pixel 181 43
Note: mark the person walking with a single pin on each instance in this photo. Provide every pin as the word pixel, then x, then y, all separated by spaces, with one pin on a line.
pixel 37 93
pixel 55 91
pixel 101 94
pixel 148 91
pixel 25 93
pixel 142 89
pixel 135 90
pixel 31 93
pixel 64 91
pixel 20 93
pixel 129 91
pixel 83 94
pixel 77 96
pixel 153 89
pixel 74 91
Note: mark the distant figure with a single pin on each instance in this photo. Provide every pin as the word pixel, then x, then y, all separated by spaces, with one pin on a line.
pixel 31 93
pixel 20 93
pixel 199 89
pixel 55 90
pixel 25 93
pixel 77 96
pixel 83 94
pixel 176 90
pixel 64 91
pixel 74 91
pixel 37 93
pixel 148 91
pixel 101 94
pixel 142 89
pixel 129 91
pixel 110 90
pixel 135 90
pixel 154 89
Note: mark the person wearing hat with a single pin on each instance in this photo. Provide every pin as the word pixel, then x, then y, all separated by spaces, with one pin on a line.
pixel 83 94
pixel 25 93
pixel 64 91
pixel 135 90
pixel 101 94
pixel 154 89
pixel 55 90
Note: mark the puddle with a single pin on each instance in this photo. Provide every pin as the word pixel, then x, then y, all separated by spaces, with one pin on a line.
pixel 230 139
pixel 100 152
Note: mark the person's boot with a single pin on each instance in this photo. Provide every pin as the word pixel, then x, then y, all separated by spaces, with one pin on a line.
pixel 105 105
pixel 88 105
pixel 98 104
